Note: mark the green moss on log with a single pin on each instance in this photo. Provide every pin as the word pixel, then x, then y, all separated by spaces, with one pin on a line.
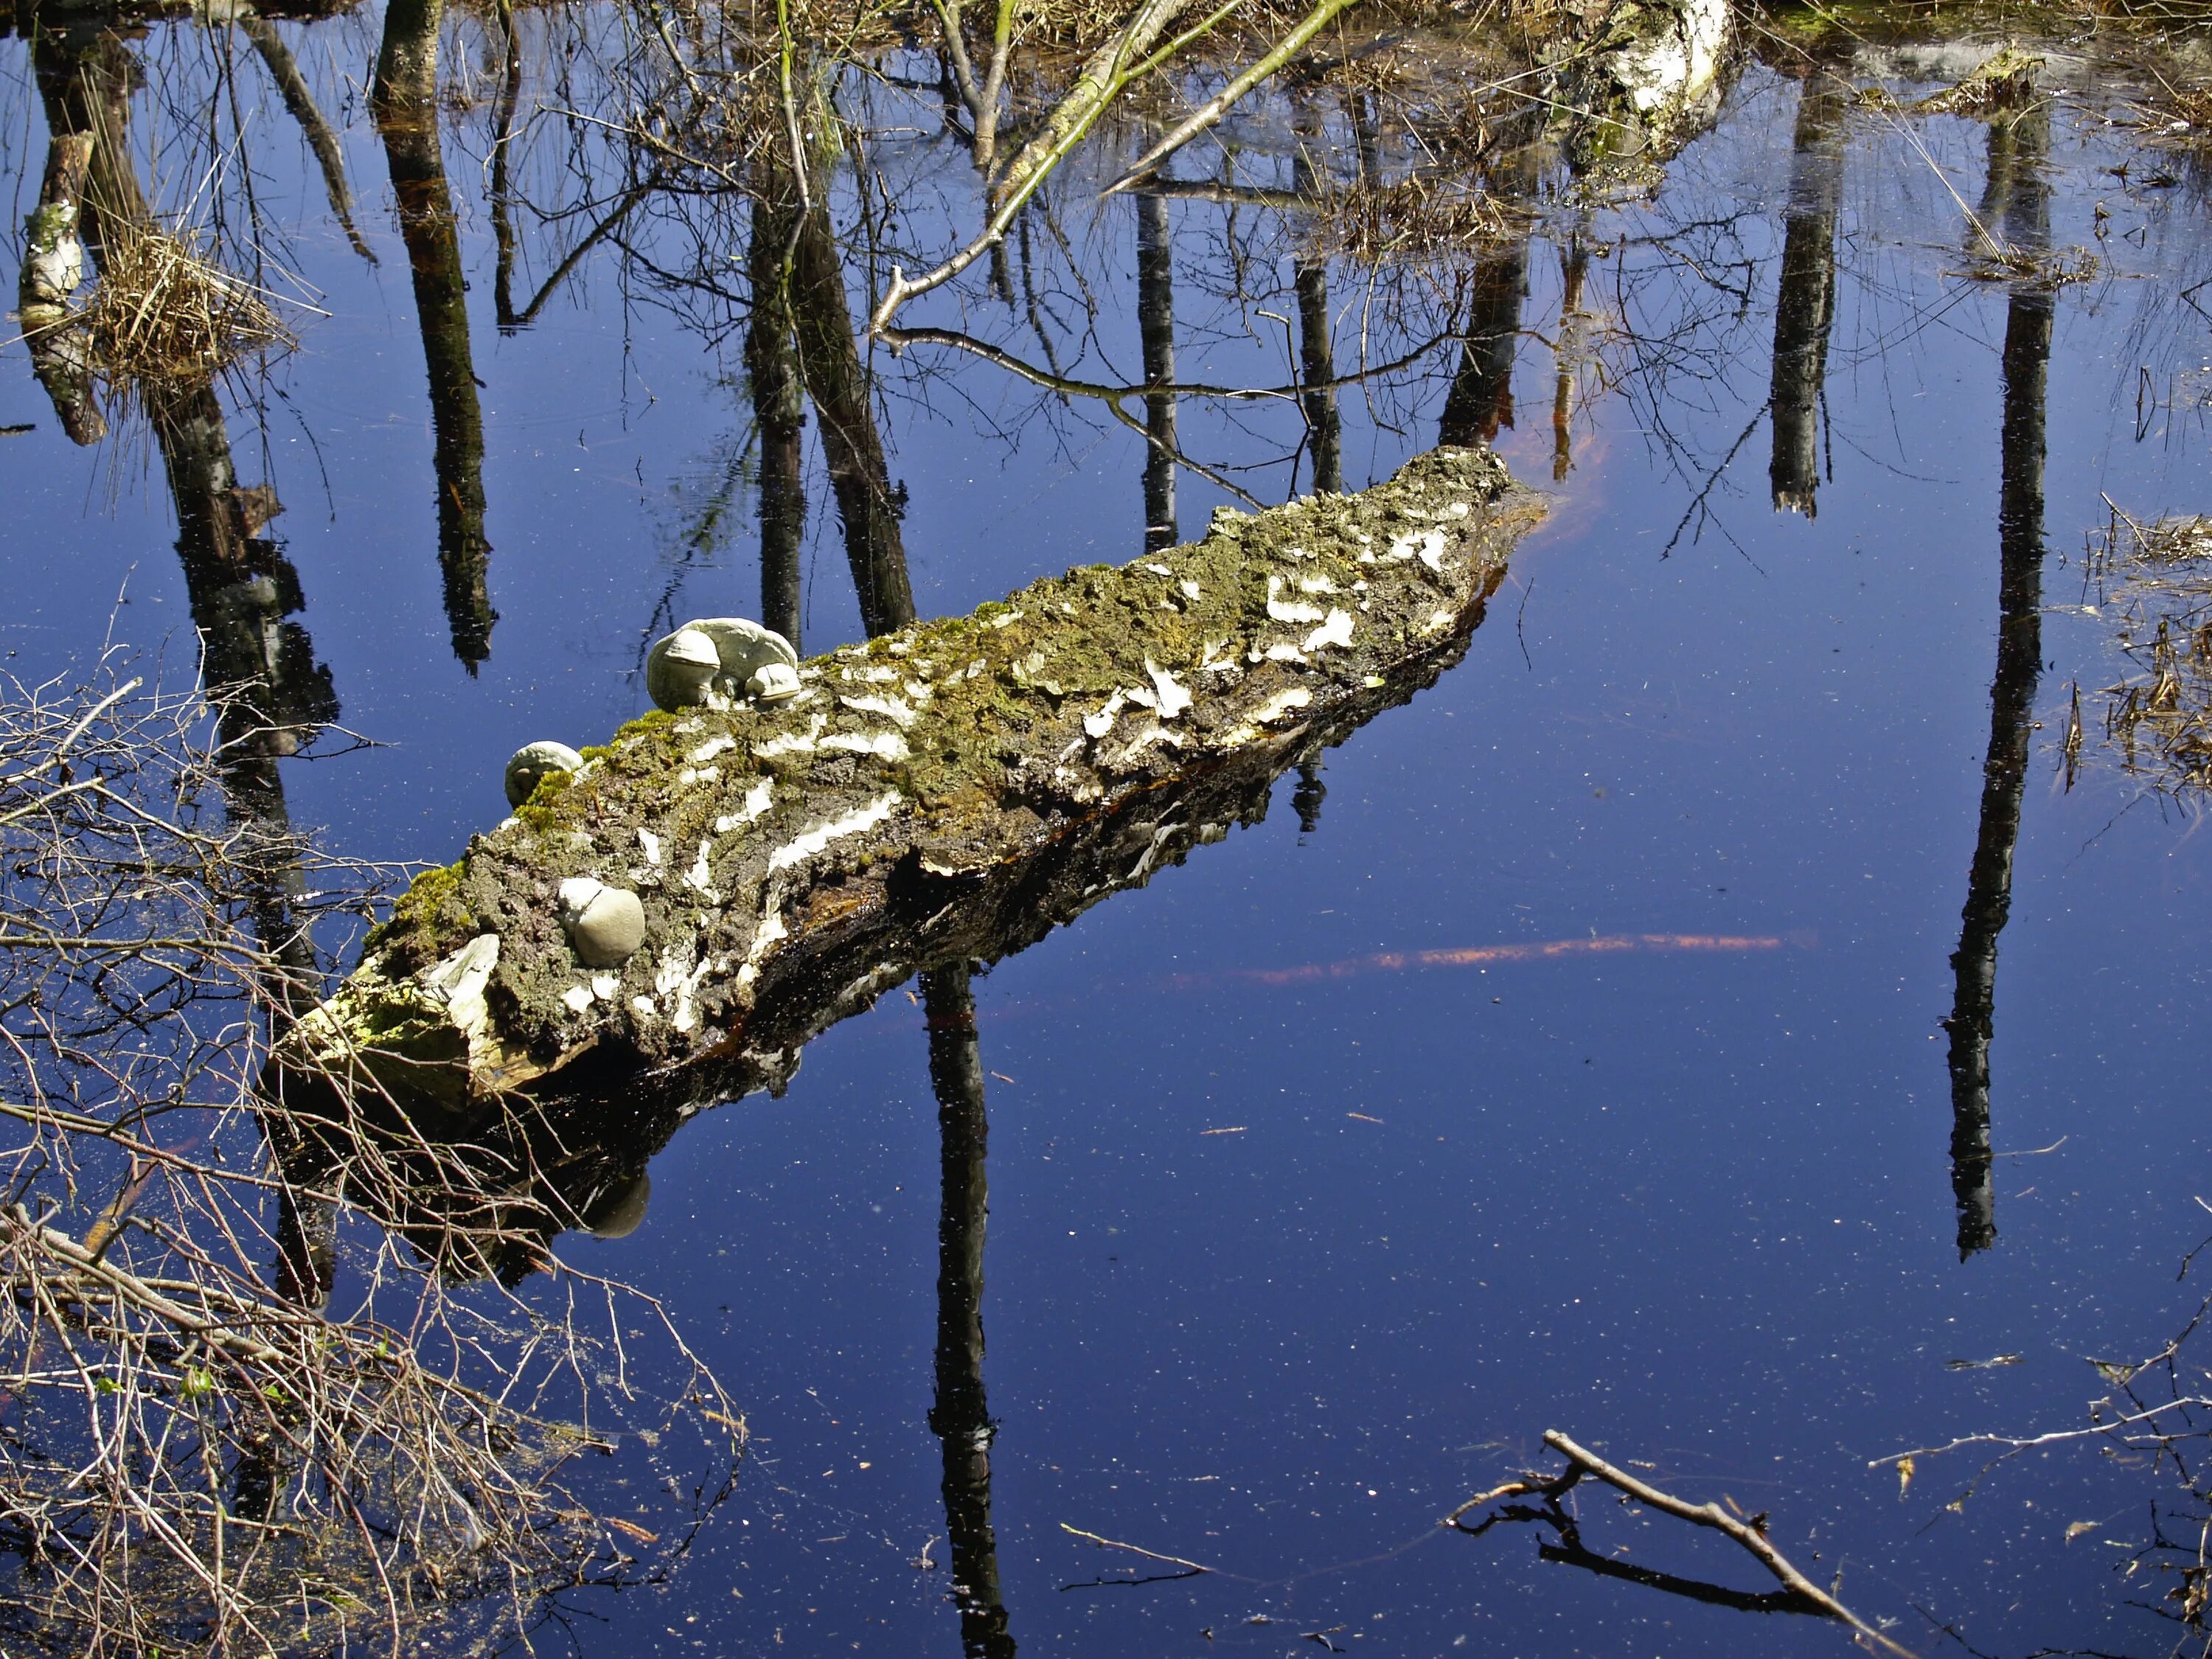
pixel 763 839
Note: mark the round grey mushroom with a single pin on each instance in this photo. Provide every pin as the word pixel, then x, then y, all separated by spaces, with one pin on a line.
pixel 680 669
pixel 776 682
pixel 743 647
pixel 606 924
pixel 532 762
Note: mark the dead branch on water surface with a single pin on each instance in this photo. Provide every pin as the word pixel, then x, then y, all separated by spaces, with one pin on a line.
pixel 1798 1593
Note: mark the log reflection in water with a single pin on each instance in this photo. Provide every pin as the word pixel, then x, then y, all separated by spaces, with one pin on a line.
pixel 960 1415
pixel 1156 329
pixel 1805 307
pixel 2019 193
pixel 405 104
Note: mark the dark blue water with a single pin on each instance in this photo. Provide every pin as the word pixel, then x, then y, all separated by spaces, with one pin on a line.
pixel 1282 1267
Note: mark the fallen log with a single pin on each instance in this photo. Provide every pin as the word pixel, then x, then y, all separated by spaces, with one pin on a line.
pixel 952 790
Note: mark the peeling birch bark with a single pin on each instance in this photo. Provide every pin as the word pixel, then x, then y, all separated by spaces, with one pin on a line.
pixel 952 790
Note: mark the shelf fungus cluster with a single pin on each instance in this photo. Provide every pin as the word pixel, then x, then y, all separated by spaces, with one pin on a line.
pixel 715 662
pixel 950 790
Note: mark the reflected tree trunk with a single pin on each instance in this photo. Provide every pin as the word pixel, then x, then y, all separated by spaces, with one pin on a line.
pixel 1480 401
pixel 501 194
pixel 274 697
pixel 300 103
pixel 2019 194
pixel 1316 342
pixel 1574 269
pixel 812 290
pixel 1805 307
pixel 1317 369
pixel 257 665
pixel 960 1415
pixel 59 345
pixel 779 395
pixel 405 104
pixel 1155 330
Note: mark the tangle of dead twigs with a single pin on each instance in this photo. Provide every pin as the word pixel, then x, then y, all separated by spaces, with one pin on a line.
pixel 234 1416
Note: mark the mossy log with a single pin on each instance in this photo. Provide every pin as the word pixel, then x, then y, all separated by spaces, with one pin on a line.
pixel 948 790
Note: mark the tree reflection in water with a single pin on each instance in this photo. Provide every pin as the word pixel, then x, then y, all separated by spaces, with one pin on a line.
pixel 960 1415
pixel 405 100
pixel 1805 296
pixel 2017 198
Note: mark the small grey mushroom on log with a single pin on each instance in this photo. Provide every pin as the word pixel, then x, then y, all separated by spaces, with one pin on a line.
pixel 776 682
pixel 532 762
pixel 744 648
pixel 681 669
pixel 606 924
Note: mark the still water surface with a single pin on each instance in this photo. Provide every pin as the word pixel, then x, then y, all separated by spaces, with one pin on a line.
pixel 1282 1265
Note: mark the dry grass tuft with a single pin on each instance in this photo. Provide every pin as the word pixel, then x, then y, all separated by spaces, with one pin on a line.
pixel 2001 261
pixel 163 312
pixel 2159 717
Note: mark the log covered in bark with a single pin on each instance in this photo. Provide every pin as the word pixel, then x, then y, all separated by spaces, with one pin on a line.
pixel 950 790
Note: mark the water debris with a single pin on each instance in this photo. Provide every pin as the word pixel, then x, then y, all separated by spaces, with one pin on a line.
pixel 2156 579
pixel 1482 956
